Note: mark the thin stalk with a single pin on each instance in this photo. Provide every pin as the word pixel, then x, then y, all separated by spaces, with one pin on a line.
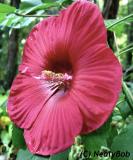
pixel 126 90
pixel 119 102
pixel 117 48
pixel 119 21
pixel 128 95
pixel 125 51
pixel 26 15
pixel 129 45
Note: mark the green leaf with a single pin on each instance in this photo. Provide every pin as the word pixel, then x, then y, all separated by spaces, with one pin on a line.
pixel 124 109
pixel 61 156
pixel 5 137
pixel 26 155
pixel 14 21
pixel 20 21
pixel 2 17
pixel 112 134
pixel 3 106
pixel 47 1
pixel 6 8
pixel 18 138
pixel 42 6
pixel 95 140
pixel 113 23
pixel 28 3
pixel 124 143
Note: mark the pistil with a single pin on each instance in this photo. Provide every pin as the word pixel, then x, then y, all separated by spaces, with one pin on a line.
pixel 57 80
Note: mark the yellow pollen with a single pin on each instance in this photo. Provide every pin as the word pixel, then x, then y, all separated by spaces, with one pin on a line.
pixel 52 75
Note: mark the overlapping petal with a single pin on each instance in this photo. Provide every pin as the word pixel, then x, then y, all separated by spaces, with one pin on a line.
pixel 64 37
pixel 28 96
pixel 56 126
pixel 96 87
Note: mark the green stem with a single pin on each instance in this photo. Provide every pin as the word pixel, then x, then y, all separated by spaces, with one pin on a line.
pixel 112 25
pixel 128 95
pixel 117 48
pixel 129 45
pixel 120 102
pixel 125 51
pixel 126 90
pixel 24 15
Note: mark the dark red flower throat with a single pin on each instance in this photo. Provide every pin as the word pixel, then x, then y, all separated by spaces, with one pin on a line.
pixel 58 73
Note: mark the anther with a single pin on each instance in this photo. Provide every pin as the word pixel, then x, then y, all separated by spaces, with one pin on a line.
pixel 57 80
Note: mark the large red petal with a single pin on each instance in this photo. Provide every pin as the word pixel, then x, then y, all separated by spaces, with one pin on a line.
pixel 64 37
pixel 56 126
pixel 27 97
pixel 96 87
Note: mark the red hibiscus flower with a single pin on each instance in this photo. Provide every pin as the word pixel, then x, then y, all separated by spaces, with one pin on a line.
pixel 68 81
